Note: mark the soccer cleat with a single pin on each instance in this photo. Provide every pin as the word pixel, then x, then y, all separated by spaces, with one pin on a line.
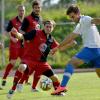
pixel 61 94
pixel 34 90
pixel 3 83
pixel 59 90
pixel 10 93
pixel 19 87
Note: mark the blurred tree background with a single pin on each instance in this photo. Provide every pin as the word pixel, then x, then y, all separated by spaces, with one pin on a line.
pixel 57 12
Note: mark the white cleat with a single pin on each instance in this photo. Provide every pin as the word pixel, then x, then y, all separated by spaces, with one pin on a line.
pixel 60 94
pixel 10 93
pixel 19 87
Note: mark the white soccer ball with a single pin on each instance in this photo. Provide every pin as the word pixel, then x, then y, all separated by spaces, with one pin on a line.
pixel 46 84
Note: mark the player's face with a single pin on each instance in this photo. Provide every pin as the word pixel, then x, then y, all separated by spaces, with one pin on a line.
pixel 48 28
pixel 21 11
pixel 74 17
pixel 37 9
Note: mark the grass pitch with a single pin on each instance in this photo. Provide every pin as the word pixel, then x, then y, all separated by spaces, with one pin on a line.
pixel 82 86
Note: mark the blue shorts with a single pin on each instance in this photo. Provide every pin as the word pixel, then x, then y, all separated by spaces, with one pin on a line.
pixel 90 54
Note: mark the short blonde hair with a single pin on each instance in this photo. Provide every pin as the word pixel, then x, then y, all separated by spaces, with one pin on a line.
pixel 49 22
pixel 20 6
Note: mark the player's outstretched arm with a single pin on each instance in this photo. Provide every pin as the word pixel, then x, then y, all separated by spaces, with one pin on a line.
pixel 71 44
pixel 67 42
pixel 95 21
pixel 71 37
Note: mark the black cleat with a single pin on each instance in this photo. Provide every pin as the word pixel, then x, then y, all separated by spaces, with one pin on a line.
pixel 3 83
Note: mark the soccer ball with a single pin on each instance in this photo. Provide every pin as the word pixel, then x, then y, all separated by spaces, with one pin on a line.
pixel 46 84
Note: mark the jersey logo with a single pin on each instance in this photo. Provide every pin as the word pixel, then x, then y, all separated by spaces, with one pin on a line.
pixel 37 27
pixel 43 47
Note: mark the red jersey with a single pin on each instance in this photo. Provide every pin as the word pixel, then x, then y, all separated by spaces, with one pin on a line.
pixel 33 24
pixel 29 23
pixel 40 45
pixel 16 23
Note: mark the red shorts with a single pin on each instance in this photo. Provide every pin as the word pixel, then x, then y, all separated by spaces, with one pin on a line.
pixel 14 53
pixel 38 67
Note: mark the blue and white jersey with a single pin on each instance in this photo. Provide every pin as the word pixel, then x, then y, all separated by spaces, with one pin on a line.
pixel 88 31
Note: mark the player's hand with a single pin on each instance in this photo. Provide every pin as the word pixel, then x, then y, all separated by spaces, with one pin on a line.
pixel 53 51
pixel 14 40
pixel 14 31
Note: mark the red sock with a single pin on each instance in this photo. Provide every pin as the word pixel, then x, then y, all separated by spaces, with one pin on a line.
pixel 17 77
pixel 35 81
pixel 7 70
pixel 24 78
pixel 56 84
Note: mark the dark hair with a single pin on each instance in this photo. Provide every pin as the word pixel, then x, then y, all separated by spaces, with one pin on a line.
pixel 72 9
pixel 35 3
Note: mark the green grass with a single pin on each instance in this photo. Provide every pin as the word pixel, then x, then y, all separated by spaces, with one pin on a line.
pixel 82 86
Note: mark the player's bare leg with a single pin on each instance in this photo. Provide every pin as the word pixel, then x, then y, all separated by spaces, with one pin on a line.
pixel 98 72
pixel 7 71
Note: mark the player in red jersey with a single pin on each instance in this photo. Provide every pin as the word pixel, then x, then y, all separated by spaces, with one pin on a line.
pixel 32 21
pixel 35 58
pixel 15 46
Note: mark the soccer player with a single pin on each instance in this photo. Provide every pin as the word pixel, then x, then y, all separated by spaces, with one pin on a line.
pixel 86 27
pixel 35 58
pixel 15 47
pixel 32 21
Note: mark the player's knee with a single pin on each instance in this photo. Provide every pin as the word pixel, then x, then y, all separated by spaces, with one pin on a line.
pixel 54 78
pixel 76 62
pixel 98 72
pixel 22 67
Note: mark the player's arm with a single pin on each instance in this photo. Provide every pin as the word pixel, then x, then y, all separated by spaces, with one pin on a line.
pixel 13 38
pixel 8 30
pixel 69 39
pixel 71 44
pixel 27 36
pixel 95 21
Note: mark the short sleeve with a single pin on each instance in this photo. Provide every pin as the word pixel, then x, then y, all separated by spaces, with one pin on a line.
pixel 87 21
pixel 9 26
pixel 54 44
pixel 77 29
